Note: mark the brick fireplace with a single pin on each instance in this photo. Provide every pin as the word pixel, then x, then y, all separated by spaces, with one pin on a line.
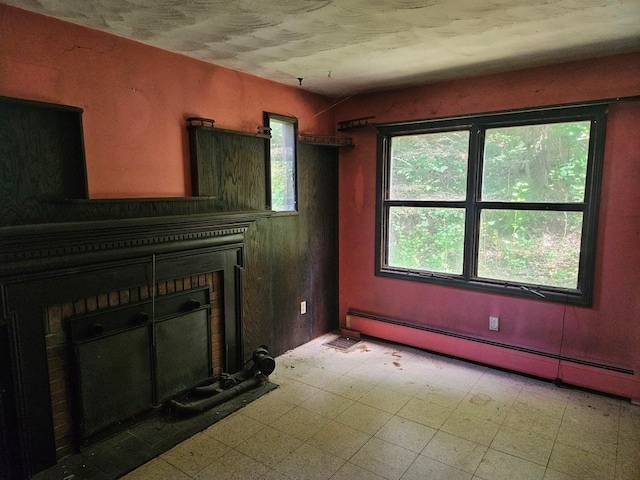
pixel 56 318
pixel 52 273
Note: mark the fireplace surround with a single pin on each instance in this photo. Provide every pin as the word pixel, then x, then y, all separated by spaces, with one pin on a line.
pixel 54 264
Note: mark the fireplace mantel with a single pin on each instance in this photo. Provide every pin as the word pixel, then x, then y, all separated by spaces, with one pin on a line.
pixel 47 264
pixel 31 248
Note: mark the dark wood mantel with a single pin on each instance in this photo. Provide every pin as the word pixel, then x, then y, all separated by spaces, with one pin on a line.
pixel 31 248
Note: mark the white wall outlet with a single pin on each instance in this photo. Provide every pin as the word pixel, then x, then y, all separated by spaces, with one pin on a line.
pixel 494 323
pixel 303 307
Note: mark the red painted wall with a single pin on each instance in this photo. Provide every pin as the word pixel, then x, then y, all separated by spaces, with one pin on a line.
pixel 136 98
pixel 609 332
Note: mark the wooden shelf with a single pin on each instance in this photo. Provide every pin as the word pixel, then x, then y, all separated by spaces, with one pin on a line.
pixel 326 140
pixel 208 124
pixel 133 199
pixel 354 123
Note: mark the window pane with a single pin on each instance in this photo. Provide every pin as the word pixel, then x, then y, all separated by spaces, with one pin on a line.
pixel 536 163
pixel 283 164
pixel 426 239
pixel 537 247
pixel 430 166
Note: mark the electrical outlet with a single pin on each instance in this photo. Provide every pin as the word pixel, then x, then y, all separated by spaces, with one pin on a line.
pixel 494 323
pixel 303 307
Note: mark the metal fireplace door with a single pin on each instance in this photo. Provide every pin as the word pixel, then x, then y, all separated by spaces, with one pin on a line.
pixel 128 359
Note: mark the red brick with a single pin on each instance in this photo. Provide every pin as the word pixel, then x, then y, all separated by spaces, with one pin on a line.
pixel 92 304
pixel 114 299
pixel 103 301
pixel 54 319
pixel 124 297
pixel 79 306
pixel 67 310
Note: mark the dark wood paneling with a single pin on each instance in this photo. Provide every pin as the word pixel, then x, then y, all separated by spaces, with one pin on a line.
pixel 319 203
pixel 202 149
pixel 10 457
pixel 228 167
pixel 41 159
pixel 291 258
pixel 35 439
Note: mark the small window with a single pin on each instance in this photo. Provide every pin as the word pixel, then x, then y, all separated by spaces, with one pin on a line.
pixel 502 202
pixel 282 194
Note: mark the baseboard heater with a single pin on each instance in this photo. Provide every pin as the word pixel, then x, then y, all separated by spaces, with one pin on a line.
pixel 470 338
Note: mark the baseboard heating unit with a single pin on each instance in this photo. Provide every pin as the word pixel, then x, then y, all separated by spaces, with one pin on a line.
pixel 612 379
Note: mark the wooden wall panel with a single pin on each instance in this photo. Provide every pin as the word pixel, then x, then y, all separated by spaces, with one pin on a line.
pixel 319 199
pixel 41 160
pixel 9 429
pixel 229 167
pixel 291 258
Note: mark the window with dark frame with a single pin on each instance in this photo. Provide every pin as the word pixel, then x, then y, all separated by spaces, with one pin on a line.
pixel 504 202
pixel 281 168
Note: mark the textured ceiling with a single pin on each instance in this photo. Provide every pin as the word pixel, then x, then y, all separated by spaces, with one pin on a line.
pixel 343 47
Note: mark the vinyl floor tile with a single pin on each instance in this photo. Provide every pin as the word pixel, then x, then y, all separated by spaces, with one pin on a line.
pixel 381 410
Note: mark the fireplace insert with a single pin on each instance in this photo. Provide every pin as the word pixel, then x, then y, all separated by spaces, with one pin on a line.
pixel 128 360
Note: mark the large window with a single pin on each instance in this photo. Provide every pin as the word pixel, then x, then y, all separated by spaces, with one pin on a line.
pixel 282 163
pixel 502 202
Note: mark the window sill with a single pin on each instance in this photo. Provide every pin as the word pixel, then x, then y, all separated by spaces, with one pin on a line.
pixel 274 213
pixel 531 292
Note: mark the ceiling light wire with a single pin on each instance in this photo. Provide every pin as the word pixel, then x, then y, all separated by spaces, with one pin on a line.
pixel 333 105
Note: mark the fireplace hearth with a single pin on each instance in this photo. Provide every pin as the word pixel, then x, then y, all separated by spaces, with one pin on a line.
pixel 139 443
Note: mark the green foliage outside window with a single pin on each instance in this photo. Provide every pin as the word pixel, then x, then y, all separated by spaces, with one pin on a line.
pixel 536 163
pixel 282 166
pixel 427 239
pixel 530 164
pixel 429 167
pixel 277 167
